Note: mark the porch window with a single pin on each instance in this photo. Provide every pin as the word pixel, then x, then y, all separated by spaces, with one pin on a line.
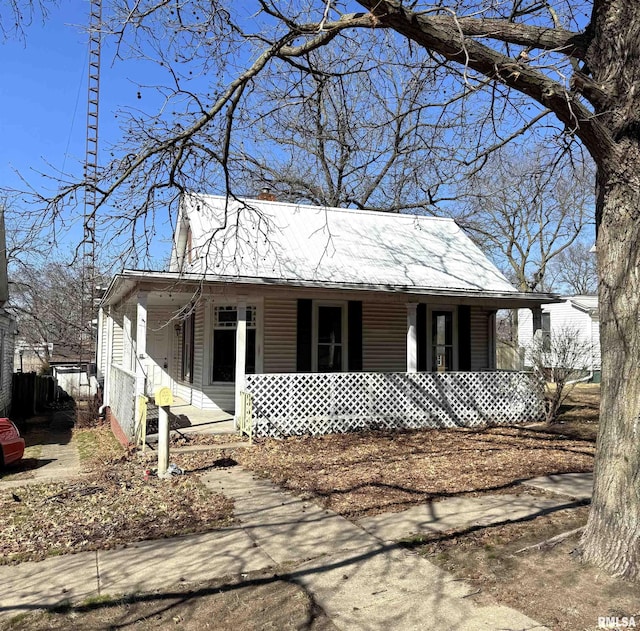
pixel 441 341
pixel 225 323
pixel 330 332
pixel 188 334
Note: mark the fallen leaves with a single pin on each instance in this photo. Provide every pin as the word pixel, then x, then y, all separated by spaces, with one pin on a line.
pixel 371 472
pixel 113 504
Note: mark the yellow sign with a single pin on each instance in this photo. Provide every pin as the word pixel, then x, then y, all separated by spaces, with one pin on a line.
pixel 163 397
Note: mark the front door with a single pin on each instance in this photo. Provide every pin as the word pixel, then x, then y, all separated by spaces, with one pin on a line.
pixel 441 341
pixel 157 362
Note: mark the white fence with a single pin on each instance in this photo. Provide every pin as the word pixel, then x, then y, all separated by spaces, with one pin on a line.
pixel 122 399
pixel 289 404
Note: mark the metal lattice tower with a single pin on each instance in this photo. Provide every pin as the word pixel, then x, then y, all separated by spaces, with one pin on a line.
pixel 91 181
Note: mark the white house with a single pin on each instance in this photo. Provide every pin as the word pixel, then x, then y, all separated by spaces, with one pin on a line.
pixel 332 319
pixel 575 314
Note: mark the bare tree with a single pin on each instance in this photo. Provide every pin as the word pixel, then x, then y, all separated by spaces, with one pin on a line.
pixel 561 358
pixel 355 135
pixel 525 208
pixel 565 69
pixel 16 16
pixel 574 270
pixel 45 301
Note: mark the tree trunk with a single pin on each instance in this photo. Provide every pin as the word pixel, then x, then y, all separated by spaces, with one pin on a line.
pixel 612 536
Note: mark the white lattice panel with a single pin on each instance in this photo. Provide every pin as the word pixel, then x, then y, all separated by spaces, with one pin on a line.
pixel 289 404
pixel 122 399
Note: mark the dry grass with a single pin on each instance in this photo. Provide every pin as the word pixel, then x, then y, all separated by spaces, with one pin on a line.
pixel 113 504
pixel 372 472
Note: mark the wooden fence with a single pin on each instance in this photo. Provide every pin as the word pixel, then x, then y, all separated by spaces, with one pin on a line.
pixel 31 393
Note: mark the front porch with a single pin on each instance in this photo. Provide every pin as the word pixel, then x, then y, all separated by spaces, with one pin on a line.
pixel 188 419
pixel 314 361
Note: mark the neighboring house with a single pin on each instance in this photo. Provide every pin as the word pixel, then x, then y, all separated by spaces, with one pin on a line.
pixel 332 319
pixel 574 315
pixel 30 357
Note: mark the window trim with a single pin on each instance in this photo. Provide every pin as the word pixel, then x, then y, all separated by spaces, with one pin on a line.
pixel 453 309
pixel 343 304
pixel 257 305
pixel 188 327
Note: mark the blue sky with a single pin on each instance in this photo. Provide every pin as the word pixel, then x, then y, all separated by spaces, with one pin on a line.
pixel 43 103
pixel 43 79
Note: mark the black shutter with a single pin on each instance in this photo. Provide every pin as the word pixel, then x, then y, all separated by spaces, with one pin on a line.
pixel 421 336
pixel 354 325
pixel 464 337
pixel 303 340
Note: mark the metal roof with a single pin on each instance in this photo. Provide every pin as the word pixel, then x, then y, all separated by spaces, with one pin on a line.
pixel 281 242
pixel 585 302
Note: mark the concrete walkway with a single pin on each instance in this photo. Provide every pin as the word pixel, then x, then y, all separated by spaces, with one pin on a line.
pixel 356 573
pixel 58 459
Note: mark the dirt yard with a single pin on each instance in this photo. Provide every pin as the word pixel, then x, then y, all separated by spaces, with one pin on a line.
pixel 368 473
pixel 254 602
pixel 96 510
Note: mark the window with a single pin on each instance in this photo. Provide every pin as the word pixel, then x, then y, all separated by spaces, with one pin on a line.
pixel 330 348
pixel 546 332
pixel 188 334
pixel 225 324
pixel 441 341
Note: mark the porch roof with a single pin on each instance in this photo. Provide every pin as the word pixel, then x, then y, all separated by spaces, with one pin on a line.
pixel 183 287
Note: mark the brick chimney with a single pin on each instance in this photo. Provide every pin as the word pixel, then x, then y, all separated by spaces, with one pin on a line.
pixel 266 194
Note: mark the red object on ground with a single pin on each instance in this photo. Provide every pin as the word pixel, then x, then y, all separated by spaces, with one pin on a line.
pixel 11 445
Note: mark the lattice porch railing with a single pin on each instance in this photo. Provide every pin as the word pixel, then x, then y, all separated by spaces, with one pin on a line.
pixel 288 404
pixel 122 399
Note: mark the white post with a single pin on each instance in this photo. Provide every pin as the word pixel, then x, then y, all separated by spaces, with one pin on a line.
pixel 492 340
pixel 241 353
pixel 141 351
pixel 163 440
pixel 412 337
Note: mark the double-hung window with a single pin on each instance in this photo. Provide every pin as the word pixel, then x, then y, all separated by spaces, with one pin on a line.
pixel 330 338
pixel 225 324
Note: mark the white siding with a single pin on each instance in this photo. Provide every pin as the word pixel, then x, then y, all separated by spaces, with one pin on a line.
pixel 101 350
pixel 479 339
pixel 565 316
pixel 280 324
pixel 200 373
pixel 218 397
pixel 384 337
pixel 595 340
pixel 118 345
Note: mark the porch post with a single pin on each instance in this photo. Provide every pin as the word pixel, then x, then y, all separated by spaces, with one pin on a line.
pixel 537 321
pixel 241 353
pixel 491 323
pixel 141 351
pixel 412 337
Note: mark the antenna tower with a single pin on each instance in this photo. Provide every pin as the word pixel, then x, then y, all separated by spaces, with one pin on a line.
pixel 88 296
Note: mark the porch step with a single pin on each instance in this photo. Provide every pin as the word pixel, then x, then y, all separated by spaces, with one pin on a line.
pixel 199 448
